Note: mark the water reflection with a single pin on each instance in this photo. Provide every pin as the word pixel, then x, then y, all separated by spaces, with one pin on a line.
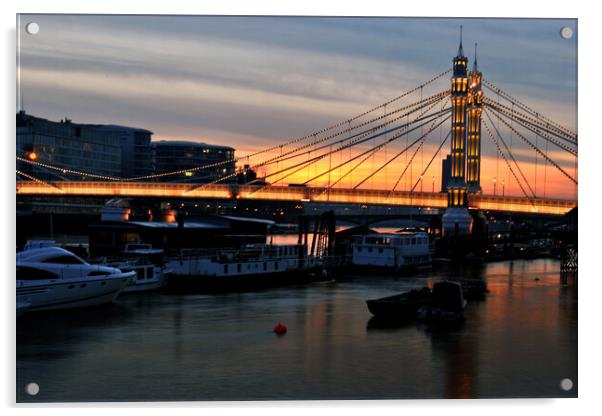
pixel 518 342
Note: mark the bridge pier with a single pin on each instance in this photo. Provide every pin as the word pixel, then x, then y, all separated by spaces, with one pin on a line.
pixel 456 221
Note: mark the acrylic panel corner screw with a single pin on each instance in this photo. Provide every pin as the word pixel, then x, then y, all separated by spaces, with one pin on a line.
pixel 566 32
pixel 32 28
pixel 32 389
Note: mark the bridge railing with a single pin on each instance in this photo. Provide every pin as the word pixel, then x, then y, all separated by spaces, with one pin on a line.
pixel 288 193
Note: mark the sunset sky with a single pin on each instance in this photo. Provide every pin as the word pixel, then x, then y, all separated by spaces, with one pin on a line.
pixel 253 82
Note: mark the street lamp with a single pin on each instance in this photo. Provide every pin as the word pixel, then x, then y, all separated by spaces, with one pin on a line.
pixel 494 185
pixel 503 187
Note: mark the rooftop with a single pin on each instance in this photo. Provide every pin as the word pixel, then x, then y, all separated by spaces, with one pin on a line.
pixel 188 143
pixel 23 116
pixel 116 127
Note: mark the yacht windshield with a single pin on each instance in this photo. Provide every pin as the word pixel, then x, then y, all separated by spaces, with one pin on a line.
pixel 63 260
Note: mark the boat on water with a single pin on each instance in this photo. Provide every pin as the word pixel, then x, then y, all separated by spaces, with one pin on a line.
pixel 401 307
pixel 446 304
pixel 393 252
pixel 50 277
pixel 146 262
pixel 253 265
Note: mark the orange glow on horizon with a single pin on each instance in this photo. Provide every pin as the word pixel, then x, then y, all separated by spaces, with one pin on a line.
pixel 556 184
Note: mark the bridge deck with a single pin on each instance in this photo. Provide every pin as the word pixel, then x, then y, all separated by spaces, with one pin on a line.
pixel 286 193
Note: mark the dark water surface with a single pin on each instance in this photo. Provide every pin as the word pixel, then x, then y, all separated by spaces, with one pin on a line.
pixel 519 342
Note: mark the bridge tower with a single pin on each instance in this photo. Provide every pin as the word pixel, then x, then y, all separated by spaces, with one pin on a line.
pixel 457 219
pixel 473 137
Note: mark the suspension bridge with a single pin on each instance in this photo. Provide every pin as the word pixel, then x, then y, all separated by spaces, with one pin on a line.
pixel 382 156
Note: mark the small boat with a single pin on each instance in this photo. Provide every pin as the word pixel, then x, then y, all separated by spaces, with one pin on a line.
pixel 447 303
pixel 50 277
pixel 399 307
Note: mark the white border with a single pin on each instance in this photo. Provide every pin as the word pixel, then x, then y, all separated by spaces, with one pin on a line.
pixel 589 172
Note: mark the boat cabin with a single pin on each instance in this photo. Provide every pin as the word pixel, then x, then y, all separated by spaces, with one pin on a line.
pixel 391 250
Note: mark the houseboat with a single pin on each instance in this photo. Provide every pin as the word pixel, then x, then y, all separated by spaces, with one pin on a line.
pixel 251 266
pixel 391 251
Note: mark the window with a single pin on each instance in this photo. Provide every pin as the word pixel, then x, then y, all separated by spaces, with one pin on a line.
pixel 150 272
pixel 98 273
pixel 265 266
pixel 225 269
pixel 63 260
pixel 275 265
pixel 140 274
pixel 238 267
pixel 30 273
pixel 380 249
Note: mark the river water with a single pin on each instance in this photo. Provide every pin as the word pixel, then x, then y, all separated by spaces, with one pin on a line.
pixel 521 341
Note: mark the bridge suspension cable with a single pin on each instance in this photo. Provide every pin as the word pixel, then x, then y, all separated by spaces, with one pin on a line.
pixel 297 139
pixel 408 164
pixel 525 118
pixel 420 140
pixel 490 86
pixel 355 139
pixel 31 178
pixel 431 161
pixel 67 171
pixel 501 153
pixel 312 161
pixel 528 125
pixel 528 142
pixel 373 149
pixel 499 135
pixel 430 102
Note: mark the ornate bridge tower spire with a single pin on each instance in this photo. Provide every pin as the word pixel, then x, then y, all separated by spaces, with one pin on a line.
pixel 457 219
pixel 473 137
pixel 459 97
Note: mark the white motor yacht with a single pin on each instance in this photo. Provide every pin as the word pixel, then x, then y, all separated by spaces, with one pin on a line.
pixel 54 278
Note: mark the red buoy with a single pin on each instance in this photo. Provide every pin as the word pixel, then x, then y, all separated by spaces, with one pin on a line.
pixel 280 329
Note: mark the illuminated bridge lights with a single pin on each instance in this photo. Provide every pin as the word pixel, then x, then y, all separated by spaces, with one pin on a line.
pixel 286 193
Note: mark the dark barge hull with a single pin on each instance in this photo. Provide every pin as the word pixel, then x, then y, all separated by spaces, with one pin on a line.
pixel 399 307
pixel 197 283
